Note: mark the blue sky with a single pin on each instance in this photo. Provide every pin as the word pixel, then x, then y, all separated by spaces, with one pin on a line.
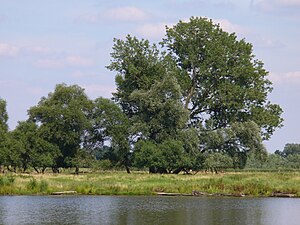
pixel 43 43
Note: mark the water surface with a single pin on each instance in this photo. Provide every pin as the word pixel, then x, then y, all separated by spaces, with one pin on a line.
pixel 148 210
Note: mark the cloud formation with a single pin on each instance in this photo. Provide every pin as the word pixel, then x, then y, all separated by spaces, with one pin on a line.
pixel 75 60
pixel 95 90
pixel 129 13
pixel 274 5
pixel 8 50
pixel 226 25
pixel 121 14
pixel 153 30
pixel 71 60
pixel 49 63
pixel 285 78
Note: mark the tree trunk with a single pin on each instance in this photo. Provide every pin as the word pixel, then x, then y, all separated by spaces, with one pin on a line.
pixel 177 171
pixel 55 170
pixel 36 169
pixel 127 169
pixel 76 170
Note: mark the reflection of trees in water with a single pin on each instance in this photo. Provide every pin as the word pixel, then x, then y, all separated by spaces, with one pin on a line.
pixel 121 210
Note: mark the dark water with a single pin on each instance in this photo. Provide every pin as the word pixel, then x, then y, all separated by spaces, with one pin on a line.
pixel 148 210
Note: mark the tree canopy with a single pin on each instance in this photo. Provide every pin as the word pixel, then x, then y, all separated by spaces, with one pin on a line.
pixel 202 78
pixel 62 118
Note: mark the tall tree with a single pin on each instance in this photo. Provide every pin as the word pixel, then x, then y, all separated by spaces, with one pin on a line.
pixel 63 120
pixel 222 81
pixel 222 88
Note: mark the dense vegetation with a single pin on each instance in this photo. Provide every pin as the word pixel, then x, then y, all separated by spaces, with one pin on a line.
pixel 199 101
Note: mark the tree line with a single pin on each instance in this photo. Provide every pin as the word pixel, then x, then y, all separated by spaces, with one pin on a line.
pixel 197 97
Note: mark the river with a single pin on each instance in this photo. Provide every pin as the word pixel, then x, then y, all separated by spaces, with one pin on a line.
pixel 121 210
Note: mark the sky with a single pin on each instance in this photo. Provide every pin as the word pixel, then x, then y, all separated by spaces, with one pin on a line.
pixel 44 43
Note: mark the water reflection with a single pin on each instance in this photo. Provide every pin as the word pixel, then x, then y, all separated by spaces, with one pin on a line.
pixel 148 210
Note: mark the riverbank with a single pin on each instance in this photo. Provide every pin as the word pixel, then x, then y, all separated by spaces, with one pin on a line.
pixel 141 183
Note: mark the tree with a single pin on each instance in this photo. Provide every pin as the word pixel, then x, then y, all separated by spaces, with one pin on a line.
pixel 237 141
pixel 33 150
pixel 161 115
pixel 209 76
pixel 3 116
pixel 217 161
pixel 3 130
pixel 289 149
pixel 221 80
pixel 109 124
pixel 62 118
pixel 165 157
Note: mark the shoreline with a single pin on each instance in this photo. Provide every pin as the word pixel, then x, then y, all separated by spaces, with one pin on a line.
pixel 111 183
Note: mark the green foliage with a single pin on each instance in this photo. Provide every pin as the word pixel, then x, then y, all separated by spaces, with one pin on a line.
pixel 109 124
pixel 221 80
pixel 138 64
pixel 7 180
pixel 32 149
pixel 207 80
pixel 3 116
pixel 161 115
pixel 289 149
pixel 3 130
pixel 217 161
pixel 165 157
pixel 62 118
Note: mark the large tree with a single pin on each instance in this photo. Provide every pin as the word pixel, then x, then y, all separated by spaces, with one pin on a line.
pixel 204 73
pixel 222 81
pixel 62 117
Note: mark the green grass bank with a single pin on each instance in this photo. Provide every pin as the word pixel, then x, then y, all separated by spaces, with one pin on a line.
pixel 140 183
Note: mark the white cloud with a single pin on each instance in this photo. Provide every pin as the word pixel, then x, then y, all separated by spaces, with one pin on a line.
pixel 8 50
pixel 40 50
pixel 264 42
pixel 285 78
pixel 272 5
pixel 75 60
pixel 83 74
pixel 289 2
pixel 231 27
pixel 123 14
pixel 49 63
pixel 244 32
pixel 71 60
pixel 152 30
pixel 90 17
pixel 129 13
pixel 94 90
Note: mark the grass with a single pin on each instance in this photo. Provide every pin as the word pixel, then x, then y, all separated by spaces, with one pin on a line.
pixel 141 183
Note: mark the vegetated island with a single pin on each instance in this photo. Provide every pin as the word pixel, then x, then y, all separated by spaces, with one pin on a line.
pixel 238 184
